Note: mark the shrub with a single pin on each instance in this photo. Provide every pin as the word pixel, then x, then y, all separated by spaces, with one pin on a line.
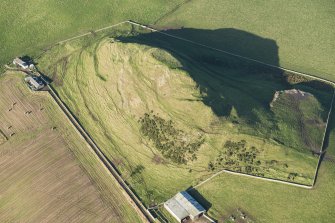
pixel 174 144
pixel 236 156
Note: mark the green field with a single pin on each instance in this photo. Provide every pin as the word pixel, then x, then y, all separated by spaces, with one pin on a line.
pixel 271 202
pixel 302 30
pixel 190 95
pixel 31 27
pixel 169 114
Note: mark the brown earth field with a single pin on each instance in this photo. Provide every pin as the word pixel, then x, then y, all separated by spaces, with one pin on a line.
pixel 47 171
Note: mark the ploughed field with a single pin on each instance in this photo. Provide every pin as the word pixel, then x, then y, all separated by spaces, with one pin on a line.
pixel 47 172
pixel 169 114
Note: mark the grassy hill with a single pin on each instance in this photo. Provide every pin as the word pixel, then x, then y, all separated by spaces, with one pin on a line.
pixel 168 113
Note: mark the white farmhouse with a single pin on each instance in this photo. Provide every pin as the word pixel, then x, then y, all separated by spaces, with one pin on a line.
pixel 35 83
pixel 17 61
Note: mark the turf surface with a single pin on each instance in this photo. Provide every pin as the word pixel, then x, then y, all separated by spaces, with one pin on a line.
pixel 30 27
pixel 294 34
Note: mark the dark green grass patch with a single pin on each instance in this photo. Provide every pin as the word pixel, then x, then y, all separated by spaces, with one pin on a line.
pixel 299 120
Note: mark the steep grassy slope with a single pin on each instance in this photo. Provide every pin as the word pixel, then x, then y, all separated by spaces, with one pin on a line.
pixel 111 85
pixel 298 119
pixel 303 30
pixel 244 92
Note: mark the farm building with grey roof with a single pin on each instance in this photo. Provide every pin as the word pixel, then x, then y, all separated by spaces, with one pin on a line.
pixel 184 207
pixel 35 83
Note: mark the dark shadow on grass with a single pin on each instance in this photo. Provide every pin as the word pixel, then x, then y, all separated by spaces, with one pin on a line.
pixel 235 41
pixel 200 199
pixel 45 78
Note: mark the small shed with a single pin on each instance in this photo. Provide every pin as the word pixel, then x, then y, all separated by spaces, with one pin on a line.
pixel 17 61
pixel 184 207
pixel 35 83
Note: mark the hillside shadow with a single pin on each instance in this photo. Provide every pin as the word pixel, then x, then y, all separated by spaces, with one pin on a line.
pixel 230 85
pixel 225 82
pixel 234 88
pixel 234 41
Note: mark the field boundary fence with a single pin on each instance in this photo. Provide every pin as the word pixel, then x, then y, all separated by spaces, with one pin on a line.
pixel 90 33
pixel 251 176
pixel 198 44
pixel 322 149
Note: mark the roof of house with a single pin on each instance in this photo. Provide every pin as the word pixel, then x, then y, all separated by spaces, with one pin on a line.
pixel 183 205
pixel 34 82
pixel 176 209
pixel 189 203
pixel 19 61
